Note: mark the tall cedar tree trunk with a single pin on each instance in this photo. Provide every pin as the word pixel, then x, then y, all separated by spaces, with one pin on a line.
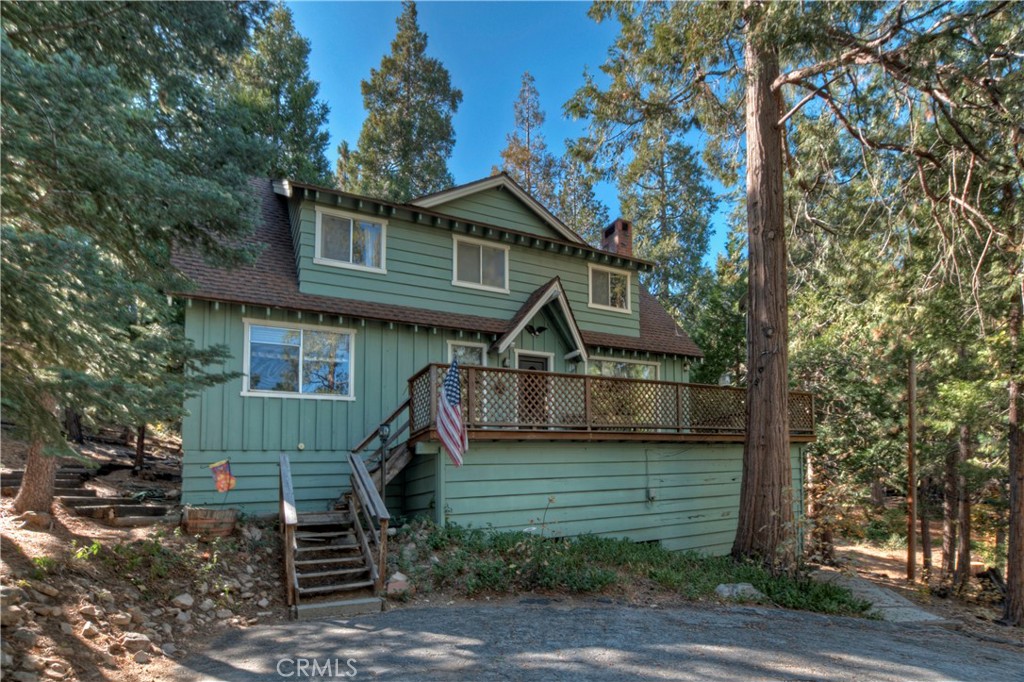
pixel 926 531
pixel 73 426
pixel 949 502
pixel 1013 611
pixel 963 545
pixel 766 530
pixel 36 492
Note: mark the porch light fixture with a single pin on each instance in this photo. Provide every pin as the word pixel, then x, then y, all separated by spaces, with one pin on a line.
pixel 383 432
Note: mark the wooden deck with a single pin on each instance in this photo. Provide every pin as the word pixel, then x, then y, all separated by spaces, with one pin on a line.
pixel 519 405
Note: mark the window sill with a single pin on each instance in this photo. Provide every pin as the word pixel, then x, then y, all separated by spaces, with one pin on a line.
pixel 300 396
pixel 480 287
pixel 612 309
pixel 349 266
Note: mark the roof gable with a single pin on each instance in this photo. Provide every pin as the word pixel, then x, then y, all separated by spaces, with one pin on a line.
pixel 499 200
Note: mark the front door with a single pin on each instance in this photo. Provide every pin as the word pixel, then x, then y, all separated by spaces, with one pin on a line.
pixel 533 391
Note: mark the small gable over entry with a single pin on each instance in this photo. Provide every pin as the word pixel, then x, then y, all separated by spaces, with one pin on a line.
pixel 550 297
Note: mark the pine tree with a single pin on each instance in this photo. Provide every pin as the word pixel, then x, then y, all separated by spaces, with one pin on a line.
pixel 526 157
pixel 407 136
pixel 118 147
pixel 272 79
pixel 578 206
pixel 719 321
pixel 663 191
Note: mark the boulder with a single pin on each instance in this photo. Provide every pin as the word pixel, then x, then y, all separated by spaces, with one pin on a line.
pixel 91 612
pixel 46 588
pixel 120 619
pixel 135 641
pixel 26 636
pixel 224 613
pixel 89 630
pixel 142 657
pixel 207 605
pixel 183 601
pixel 738 591
pixel 11 616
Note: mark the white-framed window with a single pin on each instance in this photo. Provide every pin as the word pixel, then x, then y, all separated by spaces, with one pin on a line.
pixel 345 240
pixel 298 361
pixel 479 264
pixel 610 289
pixel 468 353
pixel 623 369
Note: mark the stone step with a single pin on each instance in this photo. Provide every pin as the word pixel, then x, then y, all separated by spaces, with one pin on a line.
pixel 103 511
pixel 344 608
pixel 340 571
pixel 322 589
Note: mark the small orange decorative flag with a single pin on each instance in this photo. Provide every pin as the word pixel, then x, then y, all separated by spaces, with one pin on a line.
pixel 222 476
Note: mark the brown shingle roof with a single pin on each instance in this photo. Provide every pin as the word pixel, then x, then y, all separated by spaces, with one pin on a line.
pixel 272 281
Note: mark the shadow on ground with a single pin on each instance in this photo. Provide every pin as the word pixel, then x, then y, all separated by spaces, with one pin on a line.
pixel 592 642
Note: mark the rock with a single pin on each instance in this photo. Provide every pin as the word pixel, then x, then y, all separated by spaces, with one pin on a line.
pixel 11 616
pixel 434 559
pixel 120 619
pixel 58 667
pixel 183 617
pixel 24 676
pixel 30 662
pixel 169 649
pixel 10 595
pixel 53 674
pixel 172 494
pixel 5 660
pixel 142 657
pixel 105 596
pixel 738 591
pixel 203 588
pixel 138 616
pixel 398 584
pixel 45 588
pixel 40 609
pixel 26 636
pixel 35 520
pixel 207 605
pixel 89 630
pixel 392 532
pixel 91 612
pixel 67 628
pixel 166 628
pixel 183 601
pixel 135 641
pixel 263 603
pixel 224 613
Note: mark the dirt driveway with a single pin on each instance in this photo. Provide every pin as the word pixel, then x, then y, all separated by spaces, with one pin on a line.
pixel 538 639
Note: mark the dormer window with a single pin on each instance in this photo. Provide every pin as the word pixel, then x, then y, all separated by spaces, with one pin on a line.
pixel 349 241
pixel 480 265
pixel 610 289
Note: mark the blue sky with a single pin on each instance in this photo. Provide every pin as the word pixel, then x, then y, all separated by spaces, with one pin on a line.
pixel 486 46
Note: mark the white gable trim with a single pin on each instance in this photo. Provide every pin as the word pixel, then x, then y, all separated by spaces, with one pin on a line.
pixel 556 293
pixel 491 183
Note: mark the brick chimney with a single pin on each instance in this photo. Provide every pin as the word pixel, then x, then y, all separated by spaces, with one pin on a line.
pixel 618 238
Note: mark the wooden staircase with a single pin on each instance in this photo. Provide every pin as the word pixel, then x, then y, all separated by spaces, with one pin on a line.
pixel 335 561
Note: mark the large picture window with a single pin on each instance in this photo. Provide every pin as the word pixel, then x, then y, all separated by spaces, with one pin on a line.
pixel 609 289
pixel 480 265
pixel 349 241
pixel 622 369
pixel 298 361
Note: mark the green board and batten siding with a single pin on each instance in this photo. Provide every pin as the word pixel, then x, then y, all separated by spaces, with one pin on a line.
pixel 602 488
pixel 498 207
pixel 419 275
pixel 250 431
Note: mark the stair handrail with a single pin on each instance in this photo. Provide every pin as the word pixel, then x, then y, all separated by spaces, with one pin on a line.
pixel 366 502
pixel 289 520
pixel 383 450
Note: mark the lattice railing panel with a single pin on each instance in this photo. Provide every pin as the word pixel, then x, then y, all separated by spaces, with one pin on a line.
pixel 494 398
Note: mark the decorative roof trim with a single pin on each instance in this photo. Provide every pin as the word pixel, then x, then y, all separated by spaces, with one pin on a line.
pixel 502 180
pixel 550 293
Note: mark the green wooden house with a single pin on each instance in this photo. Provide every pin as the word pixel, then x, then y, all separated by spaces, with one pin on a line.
pixel 574 378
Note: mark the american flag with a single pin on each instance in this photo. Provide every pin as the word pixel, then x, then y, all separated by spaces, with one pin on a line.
pixel 449 420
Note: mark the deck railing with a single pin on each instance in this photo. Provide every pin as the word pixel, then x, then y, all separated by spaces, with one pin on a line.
pixel 509 399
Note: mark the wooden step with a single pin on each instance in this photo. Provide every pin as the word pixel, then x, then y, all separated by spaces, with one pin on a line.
pixel 78 500
pixel 340 571
pixel 324 548
pixel 302 534
pixel 101 511
pixel 343 608
pixel 324 518
pixel 80 492
pixel 321 589
pixel 136 521
pixel 335 560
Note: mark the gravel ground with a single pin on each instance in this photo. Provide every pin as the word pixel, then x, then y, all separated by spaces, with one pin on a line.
pixel 541 639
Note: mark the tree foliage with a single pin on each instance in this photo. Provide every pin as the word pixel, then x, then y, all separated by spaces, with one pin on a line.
pixel 407 136
pixel 272 79
pixel 526 157
pixel 118 146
